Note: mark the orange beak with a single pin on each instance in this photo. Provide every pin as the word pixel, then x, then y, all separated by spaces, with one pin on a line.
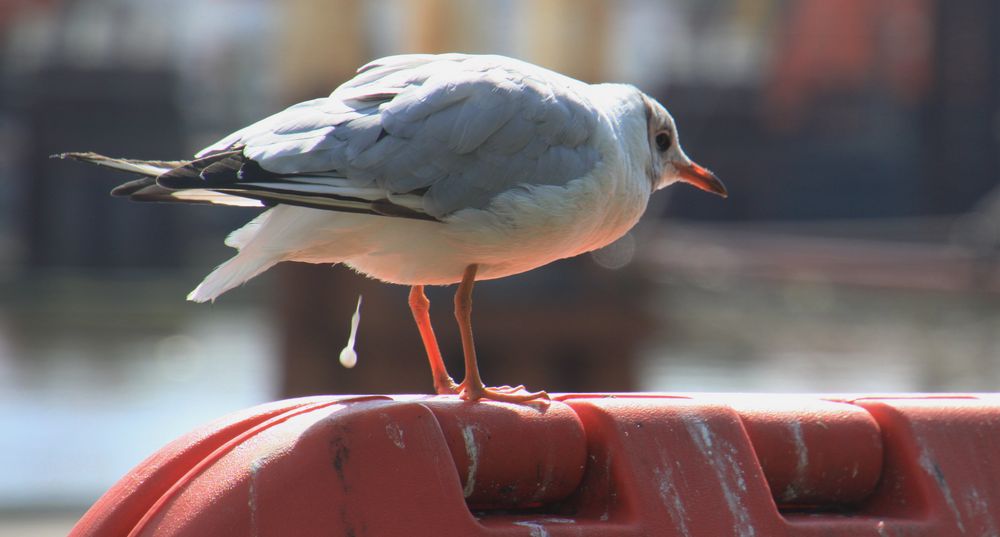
pixel 698 176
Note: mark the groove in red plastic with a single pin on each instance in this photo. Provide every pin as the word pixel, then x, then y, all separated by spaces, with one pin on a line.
pixel 513 456
pixel 815 453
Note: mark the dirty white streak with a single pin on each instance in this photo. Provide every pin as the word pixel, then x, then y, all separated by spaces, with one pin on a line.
pixel 722 458
pixel 557 520
pixel 607 477
pixel 537 530
pixel 797 487
pixel 395 434
pixel 671 498
pixel 668 490
pixel 472 450
pixel 255 467
pixel 932 469
pixel 979 508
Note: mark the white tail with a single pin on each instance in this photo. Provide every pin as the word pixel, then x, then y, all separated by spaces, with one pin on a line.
pixel 242 236
pixel 230 274
pixel 280 234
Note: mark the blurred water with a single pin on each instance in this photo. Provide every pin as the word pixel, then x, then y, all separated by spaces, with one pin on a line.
pixel 792 336
pixel 80 408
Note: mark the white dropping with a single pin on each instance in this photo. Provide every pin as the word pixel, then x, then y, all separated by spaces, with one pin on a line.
pixel 348 356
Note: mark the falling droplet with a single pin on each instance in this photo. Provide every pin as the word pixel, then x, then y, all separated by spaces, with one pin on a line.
pixel 348 356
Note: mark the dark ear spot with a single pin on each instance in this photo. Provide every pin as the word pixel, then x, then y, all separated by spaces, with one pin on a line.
pixel 648 107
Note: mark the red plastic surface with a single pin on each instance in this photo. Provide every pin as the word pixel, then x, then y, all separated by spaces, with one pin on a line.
pixel 586 465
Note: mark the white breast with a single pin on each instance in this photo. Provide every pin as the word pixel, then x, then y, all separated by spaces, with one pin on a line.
pixel 520 230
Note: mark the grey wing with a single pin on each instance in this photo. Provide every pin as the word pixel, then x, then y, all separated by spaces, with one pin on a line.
pixel 418 136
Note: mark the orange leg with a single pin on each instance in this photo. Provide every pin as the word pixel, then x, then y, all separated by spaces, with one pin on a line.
pixel 472 388
pixel 420 306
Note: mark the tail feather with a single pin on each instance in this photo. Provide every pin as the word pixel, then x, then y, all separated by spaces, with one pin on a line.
pixel 150 168
pixel 261 243
pixel 147 188
pixel 242 236
pixel 230 274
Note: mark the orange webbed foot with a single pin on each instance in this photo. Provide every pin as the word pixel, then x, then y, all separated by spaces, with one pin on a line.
pixel 504 394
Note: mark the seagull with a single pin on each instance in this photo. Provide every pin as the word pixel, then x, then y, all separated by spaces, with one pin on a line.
pixel 432 170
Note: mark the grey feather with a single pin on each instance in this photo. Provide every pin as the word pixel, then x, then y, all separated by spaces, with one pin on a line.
pixel 458 130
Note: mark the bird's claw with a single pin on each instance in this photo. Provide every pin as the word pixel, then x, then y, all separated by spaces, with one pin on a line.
pixel 508 389
pixel 447 388
pixel 504 394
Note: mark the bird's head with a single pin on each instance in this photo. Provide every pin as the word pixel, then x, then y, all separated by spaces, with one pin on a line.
pixel 669 163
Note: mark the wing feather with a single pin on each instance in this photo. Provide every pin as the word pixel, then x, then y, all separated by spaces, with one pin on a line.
pixel 442 132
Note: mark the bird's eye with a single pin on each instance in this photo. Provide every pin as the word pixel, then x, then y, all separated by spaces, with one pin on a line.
pixel 663 140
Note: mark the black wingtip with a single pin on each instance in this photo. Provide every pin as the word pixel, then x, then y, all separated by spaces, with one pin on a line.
pixel 86 156
pixel 130 188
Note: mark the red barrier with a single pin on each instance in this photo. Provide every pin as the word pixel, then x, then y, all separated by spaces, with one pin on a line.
pixel 585 465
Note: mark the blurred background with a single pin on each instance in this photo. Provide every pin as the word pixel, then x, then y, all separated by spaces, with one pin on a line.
pixel 857 251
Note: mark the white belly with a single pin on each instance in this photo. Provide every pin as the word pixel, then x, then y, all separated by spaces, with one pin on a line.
pixel 519 231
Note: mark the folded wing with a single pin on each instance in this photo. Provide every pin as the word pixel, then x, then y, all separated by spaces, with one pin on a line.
pixel 415 136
